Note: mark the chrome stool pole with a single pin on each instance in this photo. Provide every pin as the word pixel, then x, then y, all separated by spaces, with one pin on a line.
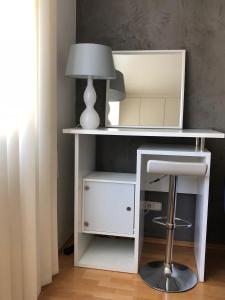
pixel 168 276
pixel 170 224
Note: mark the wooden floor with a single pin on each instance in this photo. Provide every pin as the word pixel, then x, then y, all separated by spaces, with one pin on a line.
pixel 88 284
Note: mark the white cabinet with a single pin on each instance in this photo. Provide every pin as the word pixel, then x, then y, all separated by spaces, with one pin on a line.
pixel 108 204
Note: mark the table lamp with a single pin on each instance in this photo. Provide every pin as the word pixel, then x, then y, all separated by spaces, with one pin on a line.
pixel 91 61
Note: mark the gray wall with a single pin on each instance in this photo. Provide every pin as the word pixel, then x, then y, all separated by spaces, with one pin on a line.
pixel 66 23
pixel 197 26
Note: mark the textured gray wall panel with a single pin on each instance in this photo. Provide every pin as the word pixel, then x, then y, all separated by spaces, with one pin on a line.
pixel 195 25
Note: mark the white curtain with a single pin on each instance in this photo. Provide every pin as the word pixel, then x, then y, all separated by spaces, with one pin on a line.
pixel 28 147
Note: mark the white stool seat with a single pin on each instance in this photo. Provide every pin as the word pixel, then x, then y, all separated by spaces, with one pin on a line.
pixel 176 168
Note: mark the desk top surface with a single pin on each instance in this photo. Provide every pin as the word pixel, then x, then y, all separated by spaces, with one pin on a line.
pixel 187 133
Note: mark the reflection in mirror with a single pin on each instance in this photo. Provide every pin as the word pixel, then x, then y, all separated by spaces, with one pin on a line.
pixel 116 89
pixel 148 90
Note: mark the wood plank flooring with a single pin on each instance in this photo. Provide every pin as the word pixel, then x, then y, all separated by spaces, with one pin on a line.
pixel 87 284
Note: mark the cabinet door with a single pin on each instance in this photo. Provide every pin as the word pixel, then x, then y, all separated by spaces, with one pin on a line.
pixel 108 208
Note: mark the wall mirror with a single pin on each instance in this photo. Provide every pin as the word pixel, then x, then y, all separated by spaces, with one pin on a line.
pixel 148 91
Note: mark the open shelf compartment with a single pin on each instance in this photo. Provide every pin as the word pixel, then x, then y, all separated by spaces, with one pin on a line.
pixel 109 253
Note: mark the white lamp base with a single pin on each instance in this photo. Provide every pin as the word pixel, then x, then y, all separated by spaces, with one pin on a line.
pixel 89 118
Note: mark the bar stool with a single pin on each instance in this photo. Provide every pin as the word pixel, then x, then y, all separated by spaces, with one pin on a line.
pixel 167 275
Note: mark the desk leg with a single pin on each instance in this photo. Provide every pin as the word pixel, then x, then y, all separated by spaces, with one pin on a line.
pixel 202 145
pixel 197 143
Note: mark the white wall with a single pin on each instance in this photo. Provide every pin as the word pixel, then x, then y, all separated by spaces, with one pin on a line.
pixel 66 23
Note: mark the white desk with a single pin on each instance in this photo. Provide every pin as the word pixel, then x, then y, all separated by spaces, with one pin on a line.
pixel 123 254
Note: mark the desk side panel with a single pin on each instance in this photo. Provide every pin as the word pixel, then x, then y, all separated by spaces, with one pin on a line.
pixel 201 216
pixel 139 214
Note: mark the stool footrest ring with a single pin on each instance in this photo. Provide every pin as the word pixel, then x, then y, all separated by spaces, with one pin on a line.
pixel 179 223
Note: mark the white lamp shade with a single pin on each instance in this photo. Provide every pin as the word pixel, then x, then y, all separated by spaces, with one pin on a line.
pixel 90 61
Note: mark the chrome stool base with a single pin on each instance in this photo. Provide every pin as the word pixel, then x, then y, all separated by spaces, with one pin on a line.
pixel 181 278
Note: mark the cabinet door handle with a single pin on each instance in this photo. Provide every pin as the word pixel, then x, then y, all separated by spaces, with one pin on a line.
pixel 128 208
pixel 86 188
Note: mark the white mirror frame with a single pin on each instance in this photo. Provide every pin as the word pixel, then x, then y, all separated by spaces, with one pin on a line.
pixel 183 53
